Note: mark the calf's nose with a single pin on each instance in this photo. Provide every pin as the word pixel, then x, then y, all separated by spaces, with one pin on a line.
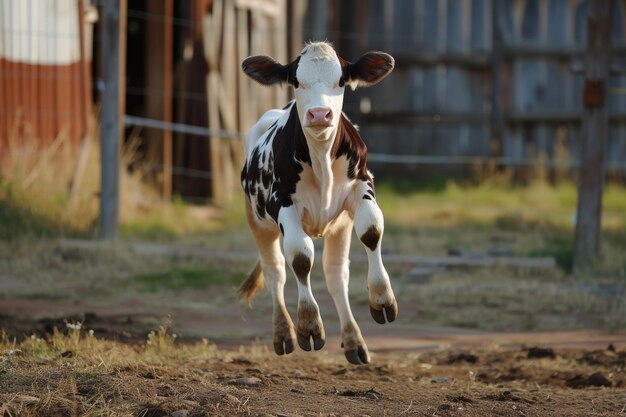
pixel 319 116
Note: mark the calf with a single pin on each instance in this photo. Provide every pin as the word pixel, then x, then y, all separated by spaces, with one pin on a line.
pixel 305 176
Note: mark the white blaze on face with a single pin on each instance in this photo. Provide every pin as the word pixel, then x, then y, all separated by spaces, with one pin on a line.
pixel 319 98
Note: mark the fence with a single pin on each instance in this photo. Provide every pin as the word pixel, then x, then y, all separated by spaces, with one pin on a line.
pixel 476 80
pixel 480 79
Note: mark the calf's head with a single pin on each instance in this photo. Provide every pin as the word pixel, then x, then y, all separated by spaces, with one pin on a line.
pixel 319 78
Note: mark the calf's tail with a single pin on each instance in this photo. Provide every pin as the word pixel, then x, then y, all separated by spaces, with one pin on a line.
pixel 252 285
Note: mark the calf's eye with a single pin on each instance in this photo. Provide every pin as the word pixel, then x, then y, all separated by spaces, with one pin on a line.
pixel 342 82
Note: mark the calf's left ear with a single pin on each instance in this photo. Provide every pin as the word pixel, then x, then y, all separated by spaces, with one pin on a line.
pixel 369 70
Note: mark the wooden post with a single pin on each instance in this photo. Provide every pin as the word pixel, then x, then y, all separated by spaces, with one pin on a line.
pixel 497 125
pixel 320 8
pixel 159 79
pixel 113 109
pixel 594 134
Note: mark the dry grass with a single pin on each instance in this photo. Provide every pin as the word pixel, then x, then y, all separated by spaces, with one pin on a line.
pixel 43 193
pixel 72 373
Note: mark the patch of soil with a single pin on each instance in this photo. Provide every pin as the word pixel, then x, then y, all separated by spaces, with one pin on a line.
pixel 320 383
pixel 123 328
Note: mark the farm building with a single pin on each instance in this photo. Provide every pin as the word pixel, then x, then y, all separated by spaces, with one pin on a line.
pixel 45 70
pixel 475 80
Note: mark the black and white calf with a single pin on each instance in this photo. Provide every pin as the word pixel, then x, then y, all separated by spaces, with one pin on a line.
pixel 305 176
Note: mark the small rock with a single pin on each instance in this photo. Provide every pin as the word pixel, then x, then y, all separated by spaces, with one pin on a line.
pixel 594 380
pixel 610 347
pixel 463 357
pixel 538 352
pixel 341 371
pixel 298 389
pixel 245 381
pixel 297 373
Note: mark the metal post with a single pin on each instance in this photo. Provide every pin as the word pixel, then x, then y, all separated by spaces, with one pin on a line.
pixel 594 134
pixel 113 107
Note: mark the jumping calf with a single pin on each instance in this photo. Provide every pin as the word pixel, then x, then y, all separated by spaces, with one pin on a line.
pixel 305 176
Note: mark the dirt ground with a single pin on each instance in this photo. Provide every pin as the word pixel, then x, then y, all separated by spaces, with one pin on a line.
pixel 419 366
pixel 445 373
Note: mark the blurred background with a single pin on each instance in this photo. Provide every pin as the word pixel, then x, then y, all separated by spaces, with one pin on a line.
pixel 123 119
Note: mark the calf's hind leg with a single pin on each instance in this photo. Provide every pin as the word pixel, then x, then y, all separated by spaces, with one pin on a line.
pixel 273 266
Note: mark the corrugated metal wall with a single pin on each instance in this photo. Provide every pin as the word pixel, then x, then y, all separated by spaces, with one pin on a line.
pixel 45 81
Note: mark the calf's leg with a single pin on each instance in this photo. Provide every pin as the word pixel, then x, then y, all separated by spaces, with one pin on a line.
pixel 369 226
pixel 298 248
pixel 273 266
pixel 336 263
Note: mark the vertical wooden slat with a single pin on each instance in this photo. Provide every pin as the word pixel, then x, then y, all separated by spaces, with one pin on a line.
pixel 159 58
pixel 497 123
pixel 594 136
pixel 212 34
pixel 243 83
pixel 168 68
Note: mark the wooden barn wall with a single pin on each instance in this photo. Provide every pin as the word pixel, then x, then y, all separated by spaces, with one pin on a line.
pixel 438 101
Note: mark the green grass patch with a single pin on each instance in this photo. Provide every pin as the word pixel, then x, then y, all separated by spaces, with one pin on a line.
pixel 186 277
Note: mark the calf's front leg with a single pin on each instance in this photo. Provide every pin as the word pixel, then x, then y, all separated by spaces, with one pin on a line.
pixel 299 255
pixel 369 226
pixel 336 262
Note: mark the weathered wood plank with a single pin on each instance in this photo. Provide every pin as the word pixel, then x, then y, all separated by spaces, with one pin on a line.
pixel 594 138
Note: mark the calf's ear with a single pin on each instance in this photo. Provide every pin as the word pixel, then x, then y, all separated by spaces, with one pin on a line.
pixel 265 70
pixel 370 69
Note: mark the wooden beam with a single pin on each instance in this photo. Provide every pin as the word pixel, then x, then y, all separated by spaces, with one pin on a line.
pixel 114 14
pixel 594 134
pixel 158 73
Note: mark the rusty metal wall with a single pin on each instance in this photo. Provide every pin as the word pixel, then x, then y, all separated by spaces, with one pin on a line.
pixel 45 76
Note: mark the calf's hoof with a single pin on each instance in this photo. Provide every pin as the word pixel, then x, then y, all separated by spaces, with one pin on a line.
pixel 283 344
pixel 284 335
pixel 305 336
pixel 379 311
pixel 353 345
pixel 310 327
pixel 358 356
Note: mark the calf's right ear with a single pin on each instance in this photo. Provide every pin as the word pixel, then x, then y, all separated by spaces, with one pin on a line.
pixel 265 70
